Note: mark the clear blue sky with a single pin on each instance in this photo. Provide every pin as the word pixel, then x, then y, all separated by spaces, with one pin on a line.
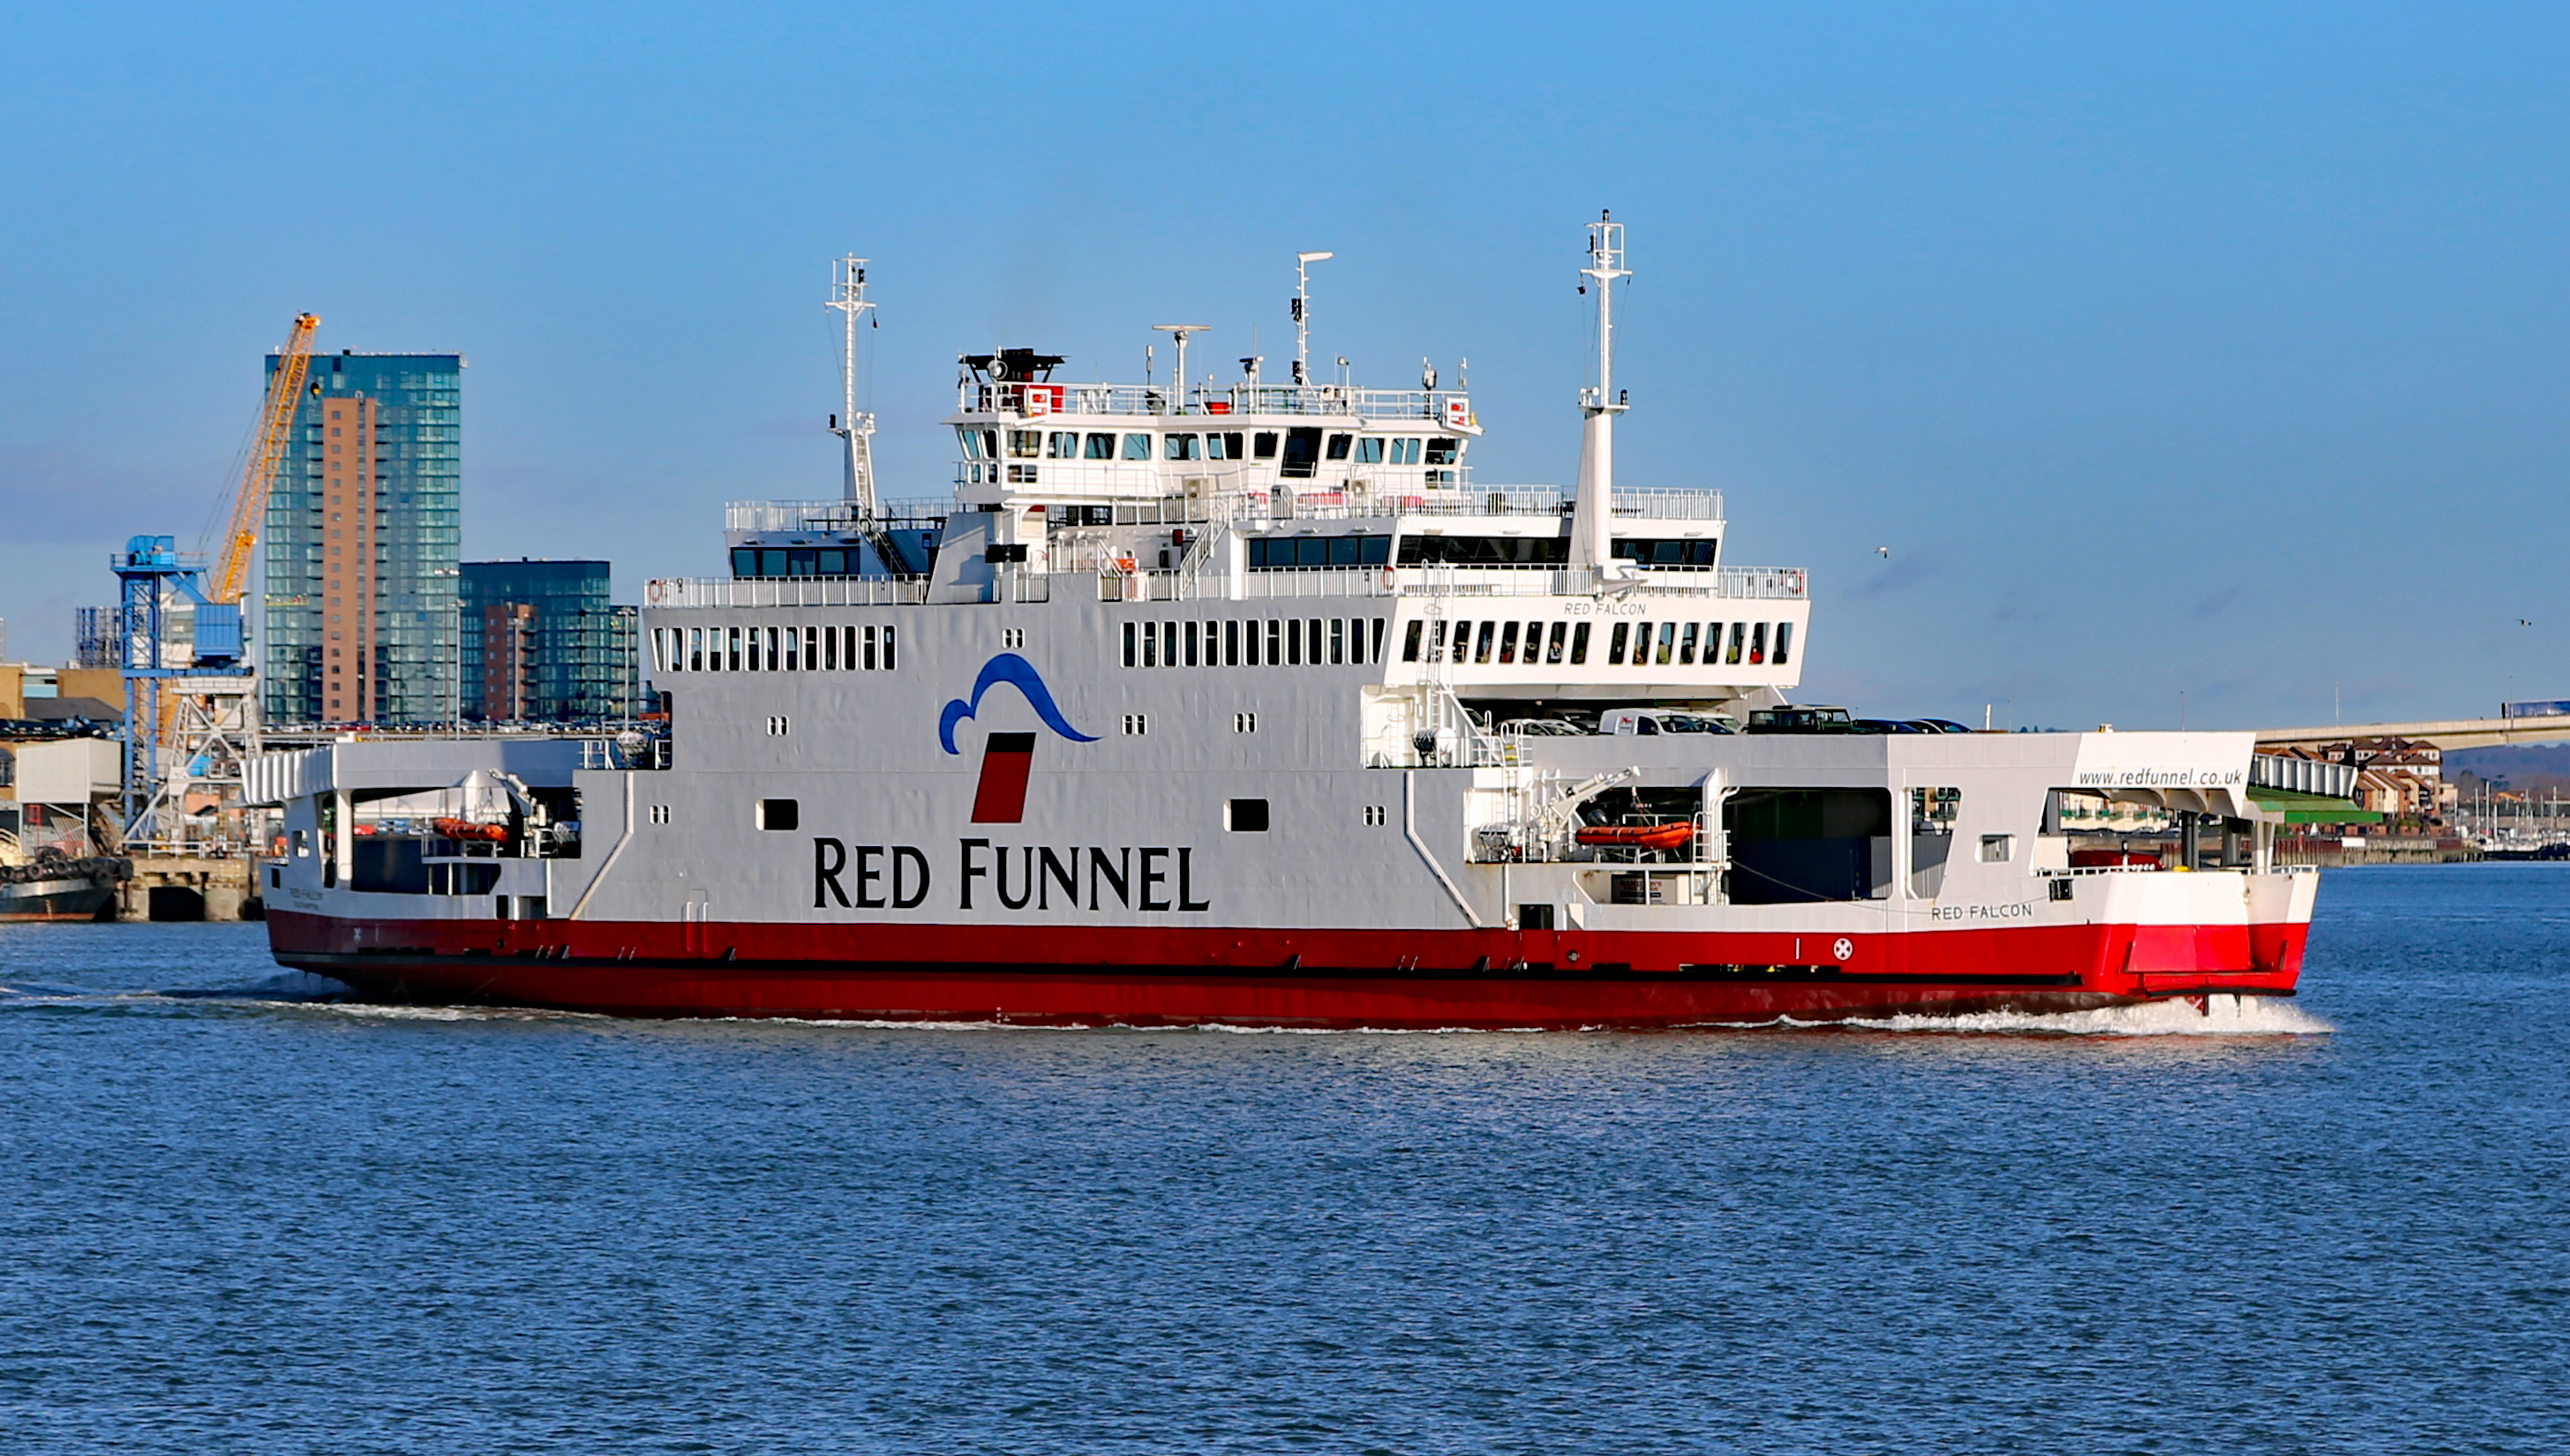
pixel 2216 349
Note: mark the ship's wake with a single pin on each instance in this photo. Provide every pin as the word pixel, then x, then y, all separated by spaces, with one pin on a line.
pixel 2215 1016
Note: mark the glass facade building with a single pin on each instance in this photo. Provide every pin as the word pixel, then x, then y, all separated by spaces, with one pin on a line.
pixel 542 643
pixel 362 544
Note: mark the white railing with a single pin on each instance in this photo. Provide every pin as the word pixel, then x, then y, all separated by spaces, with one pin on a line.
pixel 1220 490
pixel 1742 584
pixel 1433 409
pixel 1739 583
pixel 726 591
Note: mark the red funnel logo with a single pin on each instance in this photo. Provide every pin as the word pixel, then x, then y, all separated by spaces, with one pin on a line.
pixel 1002 797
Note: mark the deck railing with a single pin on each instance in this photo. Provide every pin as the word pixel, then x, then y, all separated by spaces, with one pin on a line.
pixel 1734 584
pixel 1433 409
pixel 1222 496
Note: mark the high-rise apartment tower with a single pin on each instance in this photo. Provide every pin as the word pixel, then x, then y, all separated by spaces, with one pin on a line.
pixel 362 540
pixel 543 643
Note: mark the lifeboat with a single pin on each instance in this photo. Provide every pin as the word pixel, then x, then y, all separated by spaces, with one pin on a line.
pixel 465 828
pixel 1638 836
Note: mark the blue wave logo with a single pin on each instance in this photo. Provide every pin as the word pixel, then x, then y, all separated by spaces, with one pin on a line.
pixel 1021 674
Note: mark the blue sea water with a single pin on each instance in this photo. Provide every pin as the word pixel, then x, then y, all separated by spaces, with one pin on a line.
pixel 236 1220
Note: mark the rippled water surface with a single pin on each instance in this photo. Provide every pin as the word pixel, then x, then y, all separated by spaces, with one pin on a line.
pixel 239 1220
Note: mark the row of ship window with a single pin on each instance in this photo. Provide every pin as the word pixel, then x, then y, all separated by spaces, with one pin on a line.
pixel 1210 445
pixel 1293 552
pixel 1628 644
pixel 1273 642
pixel 1291 642
pixel 774 650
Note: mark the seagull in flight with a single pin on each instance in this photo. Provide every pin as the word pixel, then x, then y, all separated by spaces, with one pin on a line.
pixel 1883 551
pixel 2524 622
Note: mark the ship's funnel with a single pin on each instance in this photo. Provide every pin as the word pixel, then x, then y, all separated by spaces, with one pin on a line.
pixel 1591 519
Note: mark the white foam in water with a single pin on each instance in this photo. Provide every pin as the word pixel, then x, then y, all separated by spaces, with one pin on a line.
pixel 2219 1016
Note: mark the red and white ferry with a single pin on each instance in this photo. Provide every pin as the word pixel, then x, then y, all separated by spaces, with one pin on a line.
pixel 1243 703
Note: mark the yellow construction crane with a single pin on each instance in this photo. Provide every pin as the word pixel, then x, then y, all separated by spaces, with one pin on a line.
pixel 276 422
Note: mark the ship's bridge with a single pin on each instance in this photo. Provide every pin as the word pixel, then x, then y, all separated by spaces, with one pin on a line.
pixel 1301 447
pixel 1253 492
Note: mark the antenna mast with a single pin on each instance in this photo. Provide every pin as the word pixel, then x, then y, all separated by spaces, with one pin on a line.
pixel 1590 544
pixel 856 431
pixel 1178 376
pixel 1303 312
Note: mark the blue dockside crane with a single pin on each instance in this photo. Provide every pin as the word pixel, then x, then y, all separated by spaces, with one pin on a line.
pixel 151 575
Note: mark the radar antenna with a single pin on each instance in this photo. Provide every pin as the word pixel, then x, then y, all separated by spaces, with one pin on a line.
pixel 855 429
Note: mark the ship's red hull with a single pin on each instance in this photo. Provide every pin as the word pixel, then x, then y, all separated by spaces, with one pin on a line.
pixel 1070 975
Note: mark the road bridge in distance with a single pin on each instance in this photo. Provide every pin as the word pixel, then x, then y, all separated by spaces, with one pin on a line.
pixel 2445 733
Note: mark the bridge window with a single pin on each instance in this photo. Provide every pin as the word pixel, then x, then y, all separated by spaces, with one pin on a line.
pixel 1579 644
pixel 1441 451
pixel 1784 640
pixel 1138 446
pixel 1302 453
pixel 1485 550
pixel 1265 441
pixel 1369 451
pixel 1100 447
pixel 1679 553
pixel 1757 643
pixel 1181 446
pixel 1339 446
pixel 1023 443
pixel 1223 446
pixel 1062 445
pixel 1686 644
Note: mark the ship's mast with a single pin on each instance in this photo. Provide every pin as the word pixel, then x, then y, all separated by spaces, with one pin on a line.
pixel 1591 545
pixel 1303 312
pixel 856 431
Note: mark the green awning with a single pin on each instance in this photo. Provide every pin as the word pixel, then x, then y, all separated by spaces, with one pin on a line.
pixel 2296 807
